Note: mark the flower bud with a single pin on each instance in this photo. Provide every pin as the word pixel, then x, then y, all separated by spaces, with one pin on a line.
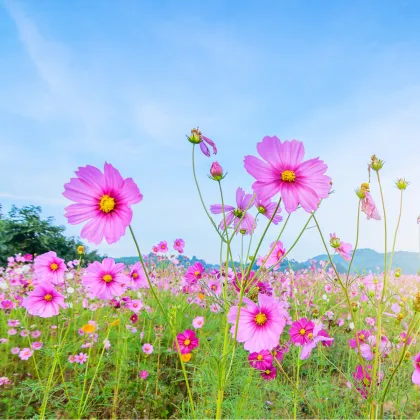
pixel 397 272
pixel 195 136
pixel 401 184
pixel 416 302
pixel 80 249
pixel 376 164
pixel 335 242
pixel 216 171
pixel 360 192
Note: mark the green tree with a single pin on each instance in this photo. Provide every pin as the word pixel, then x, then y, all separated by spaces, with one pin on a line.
pixel 25 231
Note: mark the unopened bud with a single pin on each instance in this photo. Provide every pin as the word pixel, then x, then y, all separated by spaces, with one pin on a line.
pixel 216 171
pixel 376 164
pixel 401 184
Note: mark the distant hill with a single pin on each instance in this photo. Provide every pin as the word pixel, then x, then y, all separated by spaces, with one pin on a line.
pixel 365 260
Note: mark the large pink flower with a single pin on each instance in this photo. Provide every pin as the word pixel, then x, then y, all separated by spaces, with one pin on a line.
pixel 50 268
pixel 102 198
pixel 260 326
pixel 283 171
pixel 44 301
pixel 105 280
pixel 416 374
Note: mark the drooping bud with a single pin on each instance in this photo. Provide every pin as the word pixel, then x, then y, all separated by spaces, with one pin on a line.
pixel 195 136
pixel 376 164
pixel 334 241
pixel 401 184
pixel 216 171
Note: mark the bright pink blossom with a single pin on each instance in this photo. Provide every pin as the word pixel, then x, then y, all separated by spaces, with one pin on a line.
pixel 102 198
pixel 416 374
pixel 48 267
pixel 283 171
pixel 260 326
pixel 261 360
pixel 187 341
pixel 44 301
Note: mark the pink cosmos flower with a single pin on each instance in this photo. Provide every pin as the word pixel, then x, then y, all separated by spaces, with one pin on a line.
pixel 147 348
pixel 369 207
pixel 362 336
pixel 368 347
pixel 198 138
pixel 276 255
pixel 234 215
pixel 72 359
pixel 282 171
pixel 260 326
pixel 44 301
pixel 269 374
pixel 135 305
pixel 343 248
pixel 143 374
pixel 261 360
pixel 313 339
pixel 215 287
pixel 138 277
pixel 81 358
pixel 301 331
pixel 198 322
pixel 187 342
pixel 15 350
pixel 267 208
pixel 194 273
pixel 179 245
pixel 25 354
pixel 4 380
pixel 163 246
pixel 416 374
pixel 105 280
pixel 102 198
pixel 37 345
pixel 13 322
pixel 48 267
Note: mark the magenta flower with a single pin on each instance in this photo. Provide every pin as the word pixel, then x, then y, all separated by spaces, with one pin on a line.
pixel 163 246
pixel 282 171
pixel 269 374
pixel 179 245
pixel 194 273
pixel 267 208
pixel 135 305
pixel 234 215
pixel 138 277
pixel 48 267
pixel 198 138
pixel 44 301
pixel 187 341
pixel 81 358
pixel 276 256
pixel 25 354
pixel 261 360
pixel 343 248
pixel 260 326
pixel 143 374
pixel 105 280
pixel 215 287
pixel 198 322
pixel 147 348
pixel 102 198
pixel 362 336
pixel 416 374
pixel 216 171
pixel 313 339
pixel 301 331
pixel 369 207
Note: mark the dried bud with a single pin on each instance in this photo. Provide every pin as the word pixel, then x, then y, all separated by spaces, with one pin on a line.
pixel 195 136
pixel 376 164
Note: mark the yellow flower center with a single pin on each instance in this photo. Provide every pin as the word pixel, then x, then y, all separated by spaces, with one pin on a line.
pixel 48 297
pixel 267 372
pixel 54 266
pixel 361 337
pixel 260 318
pixel 107 278
pixel 400 316
pixel 135 275
pixel 200 296
pixel 88 328
pixel 187 342
pixel 107 204
pixel 259 357
pixel 196 273
pixel 288 176
pixel 310 336
pixel 302 331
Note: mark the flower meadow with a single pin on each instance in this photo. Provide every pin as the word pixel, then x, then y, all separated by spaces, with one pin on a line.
pixel 160 339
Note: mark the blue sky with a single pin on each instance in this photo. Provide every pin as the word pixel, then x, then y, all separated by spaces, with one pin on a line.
pixel 124 81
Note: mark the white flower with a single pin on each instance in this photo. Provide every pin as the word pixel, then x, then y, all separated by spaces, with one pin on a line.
pixel 351 325
pixel 70 290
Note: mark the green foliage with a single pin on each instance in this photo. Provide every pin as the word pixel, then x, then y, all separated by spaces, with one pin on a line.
pixel 25 231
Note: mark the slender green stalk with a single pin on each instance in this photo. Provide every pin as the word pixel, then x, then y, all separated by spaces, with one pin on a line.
pixel 356 243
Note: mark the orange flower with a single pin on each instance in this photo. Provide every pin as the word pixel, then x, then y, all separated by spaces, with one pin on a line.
pixel 186 357
pixel 88 328
pixel 114 323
